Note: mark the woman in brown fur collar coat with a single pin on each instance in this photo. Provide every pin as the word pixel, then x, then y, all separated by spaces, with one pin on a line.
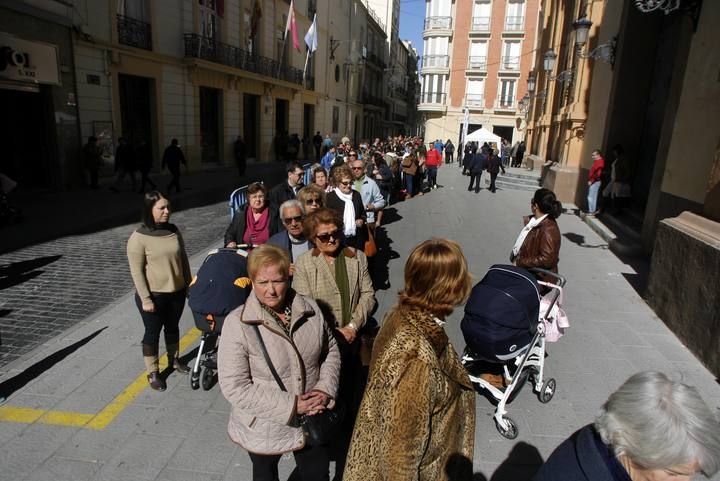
pixel 417 418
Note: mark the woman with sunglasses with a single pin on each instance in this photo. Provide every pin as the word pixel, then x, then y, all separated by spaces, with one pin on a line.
pixel 312 197
pixel 337 277
pixel 254 223
pixel 349 204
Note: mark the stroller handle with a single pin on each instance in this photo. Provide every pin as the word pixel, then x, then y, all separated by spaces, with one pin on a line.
pixel 560 279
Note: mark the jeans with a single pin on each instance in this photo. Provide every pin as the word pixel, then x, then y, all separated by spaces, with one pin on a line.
pixel 408 182
pixel 168 309
pixel 493 176
pixel 593 191
pixel 475 179
pixel 313 464
pixel 432 176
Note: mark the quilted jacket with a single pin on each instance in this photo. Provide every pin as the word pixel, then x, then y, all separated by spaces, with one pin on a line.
pixel 262 418
pixel 417 418
pixel 315 278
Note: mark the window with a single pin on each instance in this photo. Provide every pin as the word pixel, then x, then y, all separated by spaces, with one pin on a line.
pixel 506 93
pixel 210 19
pixel 335 119
pixel 478 55
pixel 510 56
pixel 475 94
pixel 481 15
pixel 135 9
pixel 515 15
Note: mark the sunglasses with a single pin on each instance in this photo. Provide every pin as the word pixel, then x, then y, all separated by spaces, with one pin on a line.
pixel 325 238
pixel 346 183
pixel 290 220
pixel 313 202
pixel 357 168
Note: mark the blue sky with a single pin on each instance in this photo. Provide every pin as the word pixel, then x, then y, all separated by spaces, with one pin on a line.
pixel 412 17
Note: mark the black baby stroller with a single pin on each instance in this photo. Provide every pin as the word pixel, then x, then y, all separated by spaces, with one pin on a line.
pixel 504 328
pixel 221 285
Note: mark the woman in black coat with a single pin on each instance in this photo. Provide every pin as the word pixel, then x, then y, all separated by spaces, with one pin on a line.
pixel 348 203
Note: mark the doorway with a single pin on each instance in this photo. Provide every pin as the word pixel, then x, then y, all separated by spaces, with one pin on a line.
pixel 28 136
pixel 282 108
pixel 210 125
pixel 308 120
pixel 504 132
pixel 251 120
pixel 136 109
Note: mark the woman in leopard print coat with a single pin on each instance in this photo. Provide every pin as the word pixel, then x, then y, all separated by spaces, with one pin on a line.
pixel 417 418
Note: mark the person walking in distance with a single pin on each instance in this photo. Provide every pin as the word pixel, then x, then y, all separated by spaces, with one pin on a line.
pixel 173 157
pixel 449 151
pixel 124 164
pixel 476 165
pixel 317 145
pixel 594 181
pixel 145 161
pixel 494 166
pixel 240 154
pixel 92 159
pixel 520 154
pixel 433 160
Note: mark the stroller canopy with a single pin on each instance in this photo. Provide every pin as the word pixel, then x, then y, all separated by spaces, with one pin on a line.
pixel 221 284
pixel 502 312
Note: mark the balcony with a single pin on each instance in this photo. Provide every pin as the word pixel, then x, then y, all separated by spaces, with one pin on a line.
pixel 230 56
pixel 435 61
pixel 475 101
pixel 511 64
pixel 507 104
pixel 134 33
pixel 480 25
pixel 376 60
pixel 432 100
pixel 477 63
pixel 371 100
pixel 438 23
pixel 514 24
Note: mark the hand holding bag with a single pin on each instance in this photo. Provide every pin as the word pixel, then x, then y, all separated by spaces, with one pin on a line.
pixel 370 249
pixel 319 428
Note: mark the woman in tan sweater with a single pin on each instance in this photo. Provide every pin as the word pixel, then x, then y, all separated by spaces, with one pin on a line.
pixel 161 273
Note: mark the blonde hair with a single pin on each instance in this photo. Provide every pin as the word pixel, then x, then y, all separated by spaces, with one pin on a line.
pixel 341 172
pixel 310 190
pixel 268 255
pixel 436 277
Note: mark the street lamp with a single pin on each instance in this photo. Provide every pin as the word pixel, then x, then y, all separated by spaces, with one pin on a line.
pixel 549 61
pixel 604 52
pixel 531 82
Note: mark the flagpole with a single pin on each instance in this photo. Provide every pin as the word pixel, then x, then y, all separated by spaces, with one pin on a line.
pixel 307 59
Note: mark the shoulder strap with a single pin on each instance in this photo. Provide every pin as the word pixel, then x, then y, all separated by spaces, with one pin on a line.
pixel 267 359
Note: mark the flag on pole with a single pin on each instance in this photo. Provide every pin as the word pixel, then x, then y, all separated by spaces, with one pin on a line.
pixel 311 36
pixel 255 19
pixel 466 120
pixel 291 26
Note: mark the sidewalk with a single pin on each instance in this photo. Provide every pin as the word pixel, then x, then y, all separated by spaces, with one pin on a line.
pixel 80 408
pixel 51 215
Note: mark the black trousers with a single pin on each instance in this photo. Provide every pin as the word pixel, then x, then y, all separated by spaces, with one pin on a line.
pixel 168 309
pixel 448 157
pixel 175 180
pixel 313 464
pixel 145 180
pixel 493 176
pixel 475 179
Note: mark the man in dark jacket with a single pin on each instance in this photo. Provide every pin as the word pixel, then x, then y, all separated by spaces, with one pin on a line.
pixel 173 157
pixel 291 238
pixel 494 166
pixel 124 164
pixel 240 155
pixel 286 190
pixel 476 165
pixel 145 161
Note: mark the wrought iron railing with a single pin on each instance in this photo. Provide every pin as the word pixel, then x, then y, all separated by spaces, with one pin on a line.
pixel 432 98
pixel 514 23
pixel 480 24
pixel 477 62
pixel 204 48
pixel 509 63
pixel 134 33
pixel 444 23
pixel 475 100
pixel 441 61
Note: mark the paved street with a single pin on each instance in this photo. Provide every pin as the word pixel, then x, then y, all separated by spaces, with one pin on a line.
pixel 79 408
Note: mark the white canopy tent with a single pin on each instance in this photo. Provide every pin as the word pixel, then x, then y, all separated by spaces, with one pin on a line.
pixel 484 135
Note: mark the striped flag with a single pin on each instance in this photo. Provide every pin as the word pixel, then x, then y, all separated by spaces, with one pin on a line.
pixel 291 26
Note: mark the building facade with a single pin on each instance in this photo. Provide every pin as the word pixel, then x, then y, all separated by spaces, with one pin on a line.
pixel 476 56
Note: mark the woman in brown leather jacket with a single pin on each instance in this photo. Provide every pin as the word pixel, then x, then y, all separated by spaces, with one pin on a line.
pixel 538 244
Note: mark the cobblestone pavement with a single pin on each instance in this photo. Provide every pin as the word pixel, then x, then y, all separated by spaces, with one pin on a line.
pixel 47 288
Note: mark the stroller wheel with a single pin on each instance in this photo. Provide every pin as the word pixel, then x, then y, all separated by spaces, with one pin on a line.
pixel 547 391
pixel 507 427
pixel 194 381
pixel 207 378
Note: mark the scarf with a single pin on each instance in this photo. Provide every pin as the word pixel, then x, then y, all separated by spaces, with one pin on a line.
pixel 257 231
pixel 348 214
pixel 523 234
pixel 343 284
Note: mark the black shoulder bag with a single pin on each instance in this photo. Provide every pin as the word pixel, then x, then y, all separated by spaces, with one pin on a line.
pixel 318 429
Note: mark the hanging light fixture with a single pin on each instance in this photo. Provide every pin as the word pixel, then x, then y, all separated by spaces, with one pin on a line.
pixel 549 61
pixel 666 6
pixel 531 82
pixel 582 28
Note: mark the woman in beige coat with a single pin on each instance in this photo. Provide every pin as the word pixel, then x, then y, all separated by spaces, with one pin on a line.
pixel 337 277
pixel 303 352
pixel 417 418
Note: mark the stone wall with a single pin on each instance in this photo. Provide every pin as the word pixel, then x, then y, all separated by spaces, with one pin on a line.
pixel 683 284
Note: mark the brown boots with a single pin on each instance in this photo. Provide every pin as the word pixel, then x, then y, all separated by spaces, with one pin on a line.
pixel 172 356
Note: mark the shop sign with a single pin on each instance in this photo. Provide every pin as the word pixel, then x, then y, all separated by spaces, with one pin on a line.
pixel 26 61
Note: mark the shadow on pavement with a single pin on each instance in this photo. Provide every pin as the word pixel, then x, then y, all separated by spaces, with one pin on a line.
pixel 580 240
pixel 390 215
pixel 19 272
pixel 11 385
pixel 379 265
pixel 521 464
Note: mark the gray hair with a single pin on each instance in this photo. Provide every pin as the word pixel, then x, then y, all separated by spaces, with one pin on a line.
pixel 659 423
pixel 288 204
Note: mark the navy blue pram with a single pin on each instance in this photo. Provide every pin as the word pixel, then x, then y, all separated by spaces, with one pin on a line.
pixel 221 285
pixel 504 329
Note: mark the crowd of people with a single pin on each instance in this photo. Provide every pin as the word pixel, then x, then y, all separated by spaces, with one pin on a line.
pixel 304 354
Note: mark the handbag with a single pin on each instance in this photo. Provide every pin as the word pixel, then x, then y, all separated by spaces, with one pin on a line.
pixel 319 428
pixel 370 247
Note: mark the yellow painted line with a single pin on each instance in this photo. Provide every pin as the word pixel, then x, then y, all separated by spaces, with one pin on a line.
pixel 97 421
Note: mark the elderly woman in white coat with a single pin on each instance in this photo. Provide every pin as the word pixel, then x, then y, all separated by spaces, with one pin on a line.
pixel 304 354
